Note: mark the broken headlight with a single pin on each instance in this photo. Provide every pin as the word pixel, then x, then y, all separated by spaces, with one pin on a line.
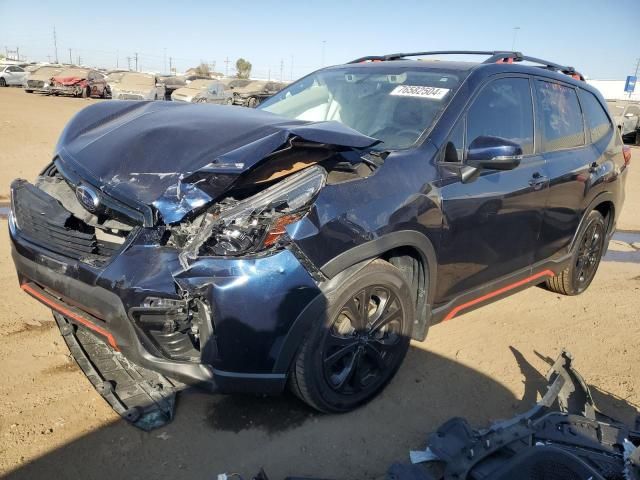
pixel 257 222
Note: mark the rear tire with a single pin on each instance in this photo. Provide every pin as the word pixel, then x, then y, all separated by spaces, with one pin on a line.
pixel 252 102
pixel 3 82
pixel 357 346
pixel 29 91
pixel 585 259
pixel 86 93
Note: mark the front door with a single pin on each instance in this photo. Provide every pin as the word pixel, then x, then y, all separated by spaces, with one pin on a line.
pixel 492 224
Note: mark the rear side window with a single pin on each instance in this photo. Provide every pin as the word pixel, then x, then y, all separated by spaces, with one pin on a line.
pixel 597 120
pixel 503 109
pixel 562 125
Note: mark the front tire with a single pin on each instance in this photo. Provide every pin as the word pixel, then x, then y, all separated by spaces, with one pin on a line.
pixel 86 93
pixel 3 82
pixel 252 102
pixel 585 259
pixel 356 348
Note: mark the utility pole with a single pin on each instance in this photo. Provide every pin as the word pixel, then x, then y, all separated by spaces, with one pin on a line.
pixel 117 59
pixel 324 43
pixel 55 43
pixel 18 53
pixel 269 74
pixel 226 68
pixel 170 66
pixel 515 36
pixel 79 62
pixel 129 63
pixel 281 70
pixel 136 56
pixel 70 59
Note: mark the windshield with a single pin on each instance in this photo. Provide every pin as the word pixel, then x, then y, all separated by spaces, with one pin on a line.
pixel 394 105
pixel 200 84
pixel 46 71
pixel 74 72
pixel 138 79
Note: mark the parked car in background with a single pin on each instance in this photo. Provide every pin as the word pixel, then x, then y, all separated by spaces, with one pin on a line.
pixel 80 82
pixel 304 243
pixel 253 93
pixel 137 86
pixel 203 91
pixel 40 80
pixel 113 77
pixel 12 75
pixel 626 115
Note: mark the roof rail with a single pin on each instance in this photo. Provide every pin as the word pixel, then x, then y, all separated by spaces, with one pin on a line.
pixel 495 56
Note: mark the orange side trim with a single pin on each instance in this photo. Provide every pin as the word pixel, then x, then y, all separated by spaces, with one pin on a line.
pixel 524 281
pixel 68 313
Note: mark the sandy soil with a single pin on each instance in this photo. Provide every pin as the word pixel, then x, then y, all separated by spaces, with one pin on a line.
pixel 483 365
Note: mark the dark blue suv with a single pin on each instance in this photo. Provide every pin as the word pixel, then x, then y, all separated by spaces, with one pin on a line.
pixel 307 241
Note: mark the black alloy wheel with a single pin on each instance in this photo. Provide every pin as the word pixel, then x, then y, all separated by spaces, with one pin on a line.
pixel 589 253
pixel 365 338
pixel 359 341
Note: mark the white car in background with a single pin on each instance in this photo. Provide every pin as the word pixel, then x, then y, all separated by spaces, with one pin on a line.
pixel 39 80
pixel 12 75
pixel 137 86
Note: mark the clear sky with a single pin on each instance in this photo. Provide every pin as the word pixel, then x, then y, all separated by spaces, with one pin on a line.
pixel 601 38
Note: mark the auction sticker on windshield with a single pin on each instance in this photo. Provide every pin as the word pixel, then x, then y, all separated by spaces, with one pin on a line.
pixel 419 91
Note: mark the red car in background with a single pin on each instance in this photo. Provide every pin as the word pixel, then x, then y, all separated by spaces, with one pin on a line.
pixel 80 82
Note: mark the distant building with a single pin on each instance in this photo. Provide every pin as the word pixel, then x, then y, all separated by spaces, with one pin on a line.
pixel 614 89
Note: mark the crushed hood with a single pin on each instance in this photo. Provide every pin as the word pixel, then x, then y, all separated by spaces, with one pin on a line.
pixel 180 156
pixel 68 80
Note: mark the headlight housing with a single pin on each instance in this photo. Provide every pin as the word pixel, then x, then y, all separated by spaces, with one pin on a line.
pixel 258 222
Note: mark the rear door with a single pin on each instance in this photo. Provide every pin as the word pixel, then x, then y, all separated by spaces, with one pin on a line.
pixel 493 223
pixel 569 159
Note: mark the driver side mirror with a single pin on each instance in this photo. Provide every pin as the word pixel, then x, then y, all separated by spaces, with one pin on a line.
pixel 494 153
pixel 490 153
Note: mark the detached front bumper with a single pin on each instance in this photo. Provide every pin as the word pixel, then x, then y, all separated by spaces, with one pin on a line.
pixel 66 89
pixel 253 307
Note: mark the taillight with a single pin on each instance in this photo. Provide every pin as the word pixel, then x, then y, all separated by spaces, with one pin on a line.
pixel 626 153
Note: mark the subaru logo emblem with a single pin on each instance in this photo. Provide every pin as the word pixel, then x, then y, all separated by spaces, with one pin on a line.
pixel 87 198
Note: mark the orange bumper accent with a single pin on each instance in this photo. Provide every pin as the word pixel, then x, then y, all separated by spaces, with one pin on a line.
pixel 69 314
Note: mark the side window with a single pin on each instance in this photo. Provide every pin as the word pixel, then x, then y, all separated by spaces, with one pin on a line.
pixel 454 149
pixel 562 125
pixel 503 109
pixel 597 120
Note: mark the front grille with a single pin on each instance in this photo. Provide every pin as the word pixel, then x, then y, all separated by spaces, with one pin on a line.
pixel 35 83
pixel 43 221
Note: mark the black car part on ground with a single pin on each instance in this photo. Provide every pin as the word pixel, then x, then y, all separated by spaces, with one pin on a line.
pixel 142 397
pixel 563 437
pixel 572 440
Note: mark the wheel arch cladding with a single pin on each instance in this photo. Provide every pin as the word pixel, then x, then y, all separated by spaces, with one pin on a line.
pixel 410 251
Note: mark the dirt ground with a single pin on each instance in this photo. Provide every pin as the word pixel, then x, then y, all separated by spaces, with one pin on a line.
pixel 484 365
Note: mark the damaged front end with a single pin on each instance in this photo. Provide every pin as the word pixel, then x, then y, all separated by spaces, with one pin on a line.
pixel 165 279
